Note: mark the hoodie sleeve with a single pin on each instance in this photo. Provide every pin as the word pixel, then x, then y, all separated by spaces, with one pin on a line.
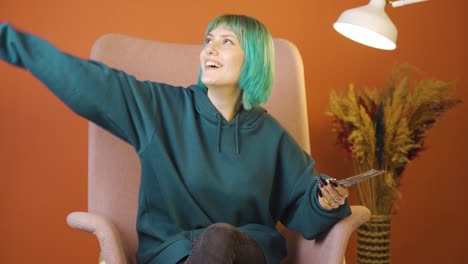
pixel 105 96
pixel 299 208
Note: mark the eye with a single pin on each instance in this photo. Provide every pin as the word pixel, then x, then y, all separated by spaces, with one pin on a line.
pixel 207 40
pixel 228 41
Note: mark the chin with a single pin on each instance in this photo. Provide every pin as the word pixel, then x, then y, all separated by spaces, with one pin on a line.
pixel 208 82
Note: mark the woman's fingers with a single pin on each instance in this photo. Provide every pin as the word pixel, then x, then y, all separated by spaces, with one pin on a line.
pixel 338 191
pixel 325 200
pixel 331 195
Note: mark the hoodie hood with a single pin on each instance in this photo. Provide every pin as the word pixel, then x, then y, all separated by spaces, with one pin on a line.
pixel 244 119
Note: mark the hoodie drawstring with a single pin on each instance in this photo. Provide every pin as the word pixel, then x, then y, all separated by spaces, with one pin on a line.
pixel 236 134
pixel 219 131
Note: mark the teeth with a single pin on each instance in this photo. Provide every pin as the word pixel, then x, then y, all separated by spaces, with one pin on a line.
pixel 212 64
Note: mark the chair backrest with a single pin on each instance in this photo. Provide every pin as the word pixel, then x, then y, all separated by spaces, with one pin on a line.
pixel 114 170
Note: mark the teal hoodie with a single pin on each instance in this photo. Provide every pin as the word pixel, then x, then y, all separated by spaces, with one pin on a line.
pixel 196 168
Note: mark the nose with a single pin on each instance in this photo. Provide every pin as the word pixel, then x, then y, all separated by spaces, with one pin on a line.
pixel 211 49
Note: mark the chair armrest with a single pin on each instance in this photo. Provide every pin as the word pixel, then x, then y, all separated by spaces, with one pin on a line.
pixel 108 236
pixel 330 247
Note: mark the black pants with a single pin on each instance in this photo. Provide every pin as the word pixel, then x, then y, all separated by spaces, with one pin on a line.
pixel 224 244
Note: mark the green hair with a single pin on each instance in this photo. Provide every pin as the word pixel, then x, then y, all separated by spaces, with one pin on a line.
pixel 257 72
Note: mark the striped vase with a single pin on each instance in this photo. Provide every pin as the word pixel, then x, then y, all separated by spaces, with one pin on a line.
pixel 373 245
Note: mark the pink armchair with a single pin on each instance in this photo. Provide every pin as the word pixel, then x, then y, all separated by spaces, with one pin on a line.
pixel 114 167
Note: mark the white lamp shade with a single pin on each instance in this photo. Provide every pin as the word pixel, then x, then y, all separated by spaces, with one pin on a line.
pixel 368 25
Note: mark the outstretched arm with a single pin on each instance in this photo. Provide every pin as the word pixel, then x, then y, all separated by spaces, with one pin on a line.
pixel 108 97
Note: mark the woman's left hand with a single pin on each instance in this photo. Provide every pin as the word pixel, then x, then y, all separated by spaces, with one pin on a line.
pixel 331 195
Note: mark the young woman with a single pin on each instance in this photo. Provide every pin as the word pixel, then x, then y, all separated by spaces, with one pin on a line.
pixel 218 172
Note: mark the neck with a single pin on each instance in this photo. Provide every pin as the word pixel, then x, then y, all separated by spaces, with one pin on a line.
pixel 227 101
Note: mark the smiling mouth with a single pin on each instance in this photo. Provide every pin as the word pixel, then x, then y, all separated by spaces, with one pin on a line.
pixel 212 65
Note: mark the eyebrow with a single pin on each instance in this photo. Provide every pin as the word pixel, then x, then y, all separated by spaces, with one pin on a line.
pixel 224 35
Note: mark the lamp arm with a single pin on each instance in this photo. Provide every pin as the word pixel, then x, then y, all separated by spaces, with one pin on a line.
pixel 399 3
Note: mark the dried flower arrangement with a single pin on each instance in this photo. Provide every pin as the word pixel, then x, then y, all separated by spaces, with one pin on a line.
pixel 386 129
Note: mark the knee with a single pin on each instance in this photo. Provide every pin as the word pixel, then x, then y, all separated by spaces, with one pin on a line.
pixel 219 238
pixel 215 245
pixel 220 232
pixel 219 235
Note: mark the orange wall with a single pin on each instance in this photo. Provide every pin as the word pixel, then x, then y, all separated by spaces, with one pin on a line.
pixel 43 154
